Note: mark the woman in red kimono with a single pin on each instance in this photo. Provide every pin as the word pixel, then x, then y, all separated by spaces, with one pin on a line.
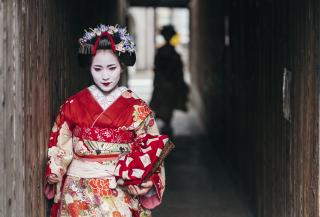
pixel 93 129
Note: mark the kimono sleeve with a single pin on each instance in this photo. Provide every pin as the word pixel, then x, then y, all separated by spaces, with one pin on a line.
pixel 154 197
pixel 59 150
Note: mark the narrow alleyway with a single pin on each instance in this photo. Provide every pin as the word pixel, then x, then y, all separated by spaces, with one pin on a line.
pixel 197 182
pixel 254 78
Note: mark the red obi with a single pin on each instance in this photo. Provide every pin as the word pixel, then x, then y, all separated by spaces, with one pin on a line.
pixel 138 157
pixel 110 135
pixel 93 142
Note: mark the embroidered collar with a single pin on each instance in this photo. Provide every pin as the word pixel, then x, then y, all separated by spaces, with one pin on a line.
pixel 106 100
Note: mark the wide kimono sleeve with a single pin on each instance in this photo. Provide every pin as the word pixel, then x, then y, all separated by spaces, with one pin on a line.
pixel 154 197
pixel 59 151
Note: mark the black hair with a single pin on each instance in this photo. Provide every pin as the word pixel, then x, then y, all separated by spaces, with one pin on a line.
pixel 125 58
pixel 168 32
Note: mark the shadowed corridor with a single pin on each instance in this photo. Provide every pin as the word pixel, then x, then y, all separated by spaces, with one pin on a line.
pixel 198 183
pixel 249 145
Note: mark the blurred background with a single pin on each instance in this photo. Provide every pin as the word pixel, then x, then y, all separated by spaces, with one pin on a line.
pixel 146 23
pixel 248 143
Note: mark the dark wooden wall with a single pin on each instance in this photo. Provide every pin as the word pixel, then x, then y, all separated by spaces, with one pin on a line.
pixel 38 70
pixel 277 160
pixel 206 62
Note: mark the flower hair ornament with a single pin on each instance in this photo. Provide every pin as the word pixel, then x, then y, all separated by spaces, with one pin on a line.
pixel 117 37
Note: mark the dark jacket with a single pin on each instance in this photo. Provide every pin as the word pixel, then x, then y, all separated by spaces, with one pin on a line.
pixel 170 90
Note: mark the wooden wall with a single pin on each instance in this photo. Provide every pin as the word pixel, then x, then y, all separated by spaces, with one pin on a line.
pixel 12 145
pixel 277 159
pixel 39 69
pixel 206 62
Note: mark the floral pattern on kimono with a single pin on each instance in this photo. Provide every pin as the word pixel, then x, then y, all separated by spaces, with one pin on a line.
pixel 86 129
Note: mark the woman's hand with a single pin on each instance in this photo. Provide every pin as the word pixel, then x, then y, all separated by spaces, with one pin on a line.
pixel 136 190
pixel 53 178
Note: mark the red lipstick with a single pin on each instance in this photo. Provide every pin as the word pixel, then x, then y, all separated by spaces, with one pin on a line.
pixel 106 83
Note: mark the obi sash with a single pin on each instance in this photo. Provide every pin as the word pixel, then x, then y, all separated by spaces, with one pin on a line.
pixel 96 151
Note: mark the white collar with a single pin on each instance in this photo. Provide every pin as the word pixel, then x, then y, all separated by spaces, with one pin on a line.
pixel 106 100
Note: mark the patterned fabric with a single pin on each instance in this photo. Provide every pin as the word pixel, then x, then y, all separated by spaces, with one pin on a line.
pixel 106 100
pixel 98 150
pixel 136 165
pixel 104 134
pixel 85 132
pixel 93 197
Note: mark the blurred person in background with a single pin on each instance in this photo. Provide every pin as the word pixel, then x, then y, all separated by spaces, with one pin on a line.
pixel 170 90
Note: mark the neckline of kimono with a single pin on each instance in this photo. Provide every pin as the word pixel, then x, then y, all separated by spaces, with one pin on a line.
pixel 103 110
pixel 97 103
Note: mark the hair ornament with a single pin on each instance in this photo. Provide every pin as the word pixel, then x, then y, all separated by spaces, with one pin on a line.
pixel 118 36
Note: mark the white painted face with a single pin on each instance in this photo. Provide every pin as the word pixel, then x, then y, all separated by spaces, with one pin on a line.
pixel 105 70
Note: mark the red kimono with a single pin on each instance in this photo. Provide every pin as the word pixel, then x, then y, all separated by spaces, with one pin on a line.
pixel 89 135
